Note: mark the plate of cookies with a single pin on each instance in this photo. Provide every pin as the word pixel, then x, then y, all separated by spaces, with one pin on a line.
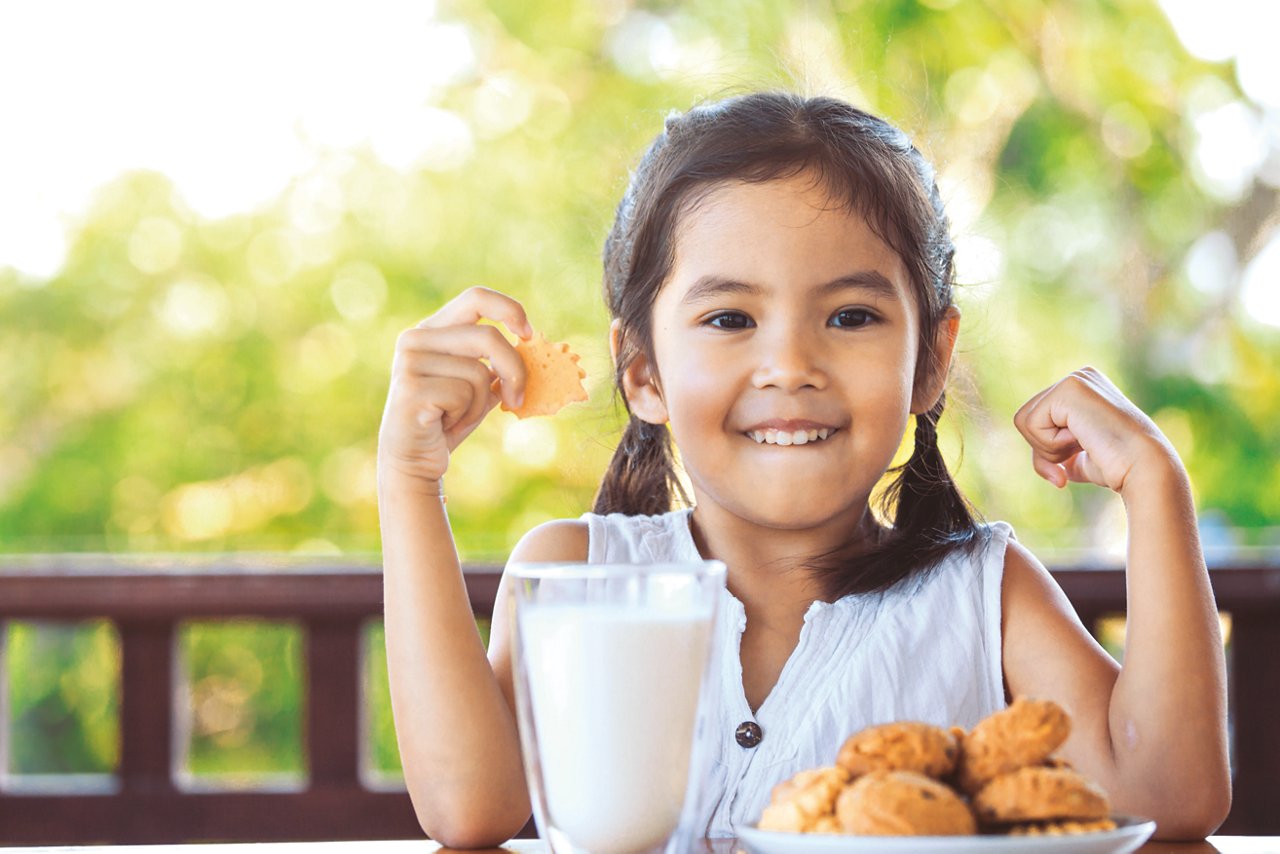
pixel 911 786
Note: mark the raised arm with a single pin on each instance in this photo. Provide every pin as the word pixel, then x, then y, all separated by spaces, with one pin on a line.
pixel 1152 732
pixel 457 736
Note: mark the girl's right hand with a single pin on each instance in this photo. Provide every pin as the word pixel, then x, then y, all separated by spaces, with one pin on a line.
pixel 441 390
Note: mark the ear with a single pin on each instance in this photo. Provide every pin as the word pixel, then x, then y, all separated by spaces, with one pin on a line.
pixel 930 386
pixel 639 382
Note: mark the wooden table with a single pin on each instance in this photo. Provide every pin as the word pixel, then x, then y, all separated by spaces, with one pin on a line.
pixel 1222 844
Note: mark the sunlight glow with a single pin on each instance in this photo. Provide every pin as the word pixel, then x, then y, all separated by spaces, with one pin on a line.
pixel 231 100
pixel 350 476
pixel 155 245
pixel 1212 263
pixel 358 291
pixel 979 265
pixel 1125 131
pixel 645 45
pixel 1235 144
pixel 1229 150
pixel 194 305
pixel 1243 30
pixel 1260 290
pixel 530 443
pixel 1209 30
pixel 642 45
pixel 242 502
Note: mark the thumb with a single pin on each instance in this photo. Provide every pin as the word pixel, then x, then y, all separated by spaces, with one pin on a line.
pixel 459 429
pixel 1080 469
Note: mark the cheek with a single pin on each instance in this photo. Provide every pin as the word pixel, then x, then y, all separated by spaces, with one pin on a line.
pixel 690 375
pixel 694 390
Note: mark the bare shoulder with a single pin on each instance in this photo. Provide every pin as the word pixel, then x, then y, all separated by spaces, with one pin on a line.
pixel 1028 584
pixel 559 539
pixel 1035 612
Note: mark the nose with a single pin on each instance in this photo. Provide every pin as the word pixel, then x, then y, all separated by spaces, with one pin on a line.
pixel 789 360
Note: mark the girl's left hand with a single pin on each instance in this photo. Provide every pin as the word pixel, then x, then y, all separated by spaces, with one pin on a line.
pixel 1082 429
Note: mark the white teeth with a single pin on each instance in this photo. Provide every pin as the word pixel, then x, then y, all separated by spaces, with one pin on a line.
pixel 782 437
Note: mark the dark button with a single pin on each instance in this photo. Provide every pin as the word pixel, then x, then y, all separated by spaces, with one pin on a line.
pixel 748 734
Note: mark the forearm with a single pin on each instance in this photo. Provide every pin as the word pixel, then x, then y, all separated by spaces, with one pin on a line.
pixel 1168 708
pixel 458 740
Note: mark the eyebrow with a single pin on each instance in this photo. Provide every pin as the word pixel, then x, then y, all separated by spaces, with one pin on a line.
pixel 872 281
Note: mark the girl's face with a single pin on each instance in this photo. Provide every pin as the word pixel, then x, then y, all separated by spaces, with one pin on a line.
pixel 786 343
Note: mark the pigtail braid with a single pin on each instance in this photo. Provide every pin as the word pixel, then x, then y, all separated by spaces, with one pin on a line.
pixel 930 519
pixel 930 507
pixel 641 478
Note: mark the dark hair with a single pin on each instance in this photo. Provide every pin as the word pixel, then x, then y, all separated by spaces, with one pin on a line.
pixel 873 168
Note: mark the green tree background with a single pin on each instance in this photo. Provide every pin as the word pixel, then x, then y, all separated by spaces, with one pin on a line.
pixel 194 384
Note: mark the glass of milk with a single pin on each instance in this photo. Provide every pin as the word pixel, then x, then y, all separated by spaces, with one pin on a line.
pixel 612 665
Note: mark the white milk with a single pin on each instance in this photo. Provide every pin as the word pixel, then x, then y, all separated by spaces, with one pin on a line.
pixel 614 694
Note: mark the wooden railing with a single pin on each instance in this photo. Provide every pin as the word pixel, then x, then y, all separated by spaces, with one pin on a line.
pixel 148 598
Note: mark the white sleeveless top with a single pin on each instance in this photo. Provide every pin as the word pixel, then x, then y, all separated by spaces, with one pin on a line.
pixel 926 650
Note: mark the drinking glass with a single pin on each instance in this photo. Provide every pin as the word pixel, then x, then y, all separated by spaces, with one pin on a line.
pixel 613 667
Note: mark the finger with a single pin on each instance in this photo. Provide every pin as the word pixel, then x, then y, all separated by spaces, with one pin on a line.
pixel 1078 468
pixel 1031 403
pixel 476 304
pixel 425 370
pixel 1056 444
pixel 1053 472
pixel 477 342
pixel 464 429
pixel 1039 426
pixel 455 405
pixel 1023 415
pixel 439 400
pixel 477 407
pixel 1081 469
pixel 1046 428
pixel 419 364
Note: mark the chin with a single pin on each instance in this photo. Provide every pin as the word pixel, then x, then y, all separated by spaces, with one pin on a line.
pixel 792 515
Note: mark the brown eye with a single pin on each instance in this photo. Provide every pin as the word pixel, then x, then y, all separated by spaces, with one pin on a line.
pixel 852 318
pixel 729 320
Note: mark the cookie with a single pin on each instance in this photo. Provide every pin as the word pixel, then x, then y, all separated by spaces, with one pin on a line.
pixel 806 803
pixel 553 378
pixel 1061 828
pixel 1025 733
pixel 902 803
pixel 1040 794
pixel 905 746
pixel 826 824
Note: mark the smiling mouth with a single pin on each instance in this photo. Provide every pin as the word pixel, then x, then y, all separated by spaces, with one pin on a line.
pixel 789 437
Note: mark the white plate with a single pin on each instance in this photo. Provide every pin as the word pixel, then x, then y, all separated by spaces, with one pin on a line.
pixel 1129 834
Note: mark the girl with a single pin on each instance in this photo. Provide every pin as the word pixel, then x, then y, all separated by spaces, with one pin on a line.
pixel 780 277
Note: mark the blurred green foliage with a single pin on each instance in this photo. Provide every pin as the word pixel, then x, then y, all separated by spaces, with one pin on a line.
pixel 243 681
pixel 382 754
pixel 194 384
pixel 61 680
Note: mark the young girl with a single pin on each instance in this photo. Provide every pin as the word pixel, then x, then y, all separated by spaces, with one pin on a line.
pixel 780 278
